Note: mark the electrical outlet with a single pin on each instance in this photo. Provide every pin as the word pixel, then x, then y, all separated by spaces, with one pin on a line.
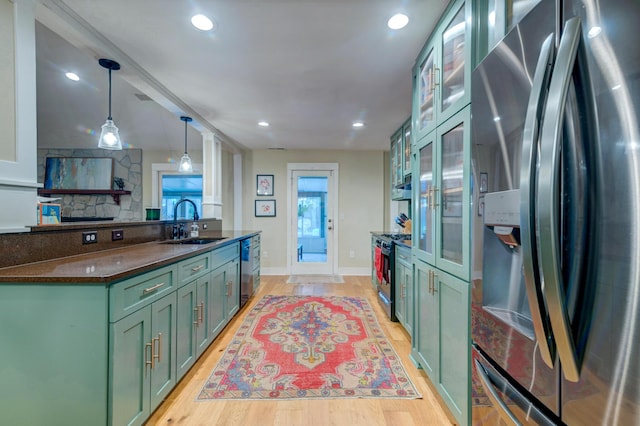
pixel 89 237
pixel 117 235
pixel 352 254
pixel 265 254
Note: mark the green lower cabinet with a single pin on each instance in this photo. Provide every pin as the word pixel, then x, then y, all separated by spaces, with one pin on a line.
pixel 193 323
pixel 233 291
pixel 219 290
pixel 225 303
pixel 404 287
pixel 142 347
pixel 441 345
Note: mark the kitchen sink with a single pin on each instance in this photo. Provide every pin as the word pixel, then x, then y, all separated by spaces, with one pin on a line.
pixel 204 240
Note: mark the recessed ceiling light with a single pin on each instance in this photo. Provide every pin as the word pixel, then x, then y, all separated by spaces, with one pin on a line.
pixel 263 124
pixel 201 22
pixel 72 76
pixel 398 21
pixel 357 124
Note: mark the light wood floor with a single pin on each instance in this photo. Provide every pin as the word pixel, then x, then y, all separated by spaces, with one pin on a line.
pixel 180 408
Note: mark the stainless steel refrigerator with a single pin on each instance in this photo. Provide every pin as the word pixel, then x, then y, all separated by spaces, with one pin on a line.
pixel 556 228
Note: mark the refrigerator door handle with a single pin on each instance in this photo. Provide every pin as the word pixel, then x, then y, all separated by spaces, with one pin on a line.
pixel 539 317
pixel 548 208
pixel 505 414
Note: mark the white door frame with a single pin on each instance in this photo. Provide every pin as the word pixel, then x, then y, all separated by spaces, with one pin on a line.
pixel 332 237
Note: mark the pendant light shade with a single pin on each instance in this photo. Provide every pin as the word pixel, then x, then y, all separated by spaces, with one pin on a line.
pixel 185 162
pixel 109 137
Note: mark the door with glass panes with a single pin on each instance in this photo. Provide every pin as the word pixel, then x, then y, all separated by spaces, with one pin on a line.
pixel 312 222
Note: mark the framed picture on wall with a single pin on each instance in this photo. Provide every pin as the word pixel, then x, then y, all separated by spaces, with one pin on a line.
pixel 264 185
pixel 265 208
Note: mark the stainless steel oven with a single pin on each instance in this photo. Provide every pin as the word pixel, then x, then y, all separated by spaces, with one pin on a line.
pixel 386 273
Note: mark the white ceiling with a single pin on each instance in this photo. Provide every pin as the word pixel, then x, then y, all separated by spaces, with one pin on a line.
pixel 309 67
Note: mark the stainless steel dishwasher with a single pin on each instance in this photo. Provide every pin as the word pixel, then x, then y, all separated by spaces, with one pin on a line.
pixel 246 271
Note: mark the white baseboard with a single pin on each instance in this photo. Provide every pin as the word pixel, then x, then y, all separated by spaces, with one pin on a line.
pixel 341 271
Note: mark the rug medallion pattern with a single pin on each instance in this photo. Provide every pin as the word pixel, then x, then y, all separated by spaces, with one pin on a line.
pixel 309 347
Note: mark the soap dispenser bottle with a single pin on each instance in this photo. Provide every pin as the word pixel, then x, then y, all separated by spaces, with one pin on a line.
pixel 195 229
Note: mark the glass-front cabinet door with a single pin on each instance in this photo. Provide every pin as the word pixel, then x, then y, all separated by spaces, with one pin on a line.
pixel 424 207
pixel 407 148
pixel 441 191
pixel 442 71
pixel 424 112
pixel 454 71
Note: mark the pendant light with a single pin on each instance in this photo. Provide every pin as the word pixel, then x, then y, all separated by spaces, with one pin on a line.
pixel 185 161
pixel 109 137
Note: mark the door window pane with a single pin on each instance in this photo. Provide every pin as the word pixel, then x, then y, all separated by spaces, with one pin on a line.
pixel 312 219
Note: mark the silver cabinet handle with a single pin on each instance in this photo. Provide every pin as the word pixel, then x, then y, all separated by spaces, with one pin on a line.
pixel 152 288
pixel 539 317
pixel 505 414
pixel 549 250
pixel 197 268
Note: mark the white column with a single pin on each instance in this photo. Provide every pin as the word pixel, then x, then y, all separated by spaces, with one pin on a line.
pixel 237 192
pixel 211 176
pixel 18 153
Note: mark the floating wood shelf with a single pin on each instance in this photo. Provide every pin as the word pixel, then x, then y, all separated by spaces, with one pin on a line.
pixel 115 193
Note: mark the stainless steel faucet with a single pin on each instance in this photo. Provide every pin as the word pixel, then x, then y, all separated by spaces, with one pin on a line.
pixel 177 233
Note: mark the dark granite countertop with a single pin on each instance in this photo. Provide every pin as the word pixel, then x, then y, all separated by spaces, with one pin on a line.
pixel 115 264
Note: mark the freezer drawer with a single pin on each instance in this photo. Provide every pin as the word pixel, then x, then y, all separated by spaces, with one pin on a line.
pixel 496 402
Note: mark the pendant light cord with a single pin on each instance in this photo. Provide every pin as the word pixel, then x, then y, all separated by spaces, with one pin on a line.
pixel 110 118
pixel 185 136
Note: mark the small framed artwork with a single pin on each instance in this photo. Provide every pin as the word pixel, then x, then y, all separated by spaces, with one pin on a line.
pixel 265 208
pixel 484 182
pixel 264 185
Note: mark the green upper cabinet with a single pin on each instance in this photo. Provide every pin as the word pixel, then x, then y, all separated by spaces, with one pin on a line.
pixel 443 71
pixel 400 157
pixel 441 193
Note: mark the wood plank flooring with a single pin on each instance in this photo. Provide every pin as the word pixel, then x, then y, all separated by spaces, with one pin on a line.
pixel 181 408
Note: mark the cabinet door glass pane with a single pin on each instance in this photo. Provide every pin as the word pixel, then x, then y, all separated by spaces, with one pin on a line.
pixel 394 163
pixel 453 60
pixel 425 229
pixel 398 160
pixel 452 181
pixel 426 91
pixel 407 150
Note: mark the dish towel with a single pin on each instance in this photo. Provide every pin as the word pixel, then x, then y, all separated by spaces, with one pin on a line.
pixel 377 262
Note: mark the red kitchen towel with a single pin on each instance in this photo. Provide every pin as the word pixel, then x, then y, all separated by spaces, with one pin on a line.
pixel 377 262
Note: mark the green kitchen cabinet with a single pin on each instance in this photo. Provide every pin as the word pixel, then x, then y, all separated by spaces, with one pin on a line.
pixel 400 158
pixel 225 286
pixel 443 71
pixel 441 344
pixel 233 288
pixel 194 301
pixel 142 369
pixel 404 287
pixel 54 353
pixel 441 196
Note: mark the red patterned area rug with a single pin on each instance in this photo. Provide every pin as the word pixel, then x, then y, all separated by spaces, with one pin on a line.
pixel 292 347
